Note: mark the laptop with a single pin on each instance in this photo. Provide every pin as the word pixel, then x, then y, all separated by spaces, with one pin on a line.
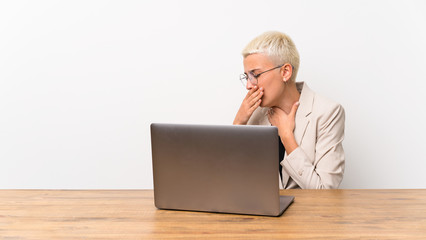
pixel 217 168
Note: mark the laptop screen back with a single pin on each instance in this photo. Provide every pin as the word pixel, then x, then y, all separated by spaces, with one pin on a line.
pixel 211 168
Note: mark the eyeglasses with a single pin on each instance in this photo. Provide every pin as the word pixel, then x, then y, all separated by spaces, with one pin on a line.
pixel 253 77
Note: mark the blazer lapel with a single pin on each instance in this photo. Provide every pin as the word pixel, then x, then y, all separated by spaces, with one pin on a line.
pixel 302 120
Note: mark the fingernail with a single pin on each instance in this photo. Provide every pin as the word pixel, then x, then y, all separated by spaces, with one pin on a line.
pixel 298 103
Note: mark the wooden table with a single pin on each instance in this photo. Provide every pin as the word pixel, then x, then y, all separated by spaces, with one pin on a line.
pixel 131 214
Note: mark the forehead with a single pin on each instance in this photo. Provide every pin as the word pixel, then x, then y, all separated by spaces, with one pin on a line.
pixel 256 61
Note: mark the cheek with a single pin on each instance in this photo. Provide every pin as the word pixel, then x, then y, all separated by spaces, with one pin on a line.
pixel 265 98
pixel 269 94
pixel 269 97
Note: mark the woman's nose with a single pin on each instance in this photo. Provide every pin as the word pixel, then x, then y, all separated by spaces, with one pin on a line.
pixel 249 85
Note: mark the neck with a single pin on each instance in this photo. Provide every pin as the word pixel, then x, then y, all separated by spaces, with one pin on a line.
pixel 288 97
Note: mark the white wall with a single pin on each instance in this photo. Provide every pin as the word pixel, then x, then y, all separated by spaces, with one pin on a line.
pixel 80 82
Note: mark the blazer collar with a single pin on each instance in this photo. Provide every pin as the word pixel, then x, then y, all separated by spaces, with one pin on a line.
pixel 306 99
pixel 302 120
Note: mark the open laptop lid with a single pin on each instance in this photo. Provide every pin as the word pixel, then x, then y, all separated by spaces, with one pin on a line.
pixel 222 168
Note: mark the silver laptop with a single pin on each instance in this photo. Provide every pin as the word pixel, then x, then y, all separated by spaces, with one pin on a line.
pixel 225 169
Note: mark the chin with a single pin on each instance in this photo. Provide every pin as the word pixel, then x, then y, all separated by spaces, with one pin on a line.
pixel 263 104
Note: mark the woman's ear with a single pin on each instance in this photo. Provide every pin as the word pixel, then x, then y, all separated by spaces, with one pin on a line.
pixel 286 72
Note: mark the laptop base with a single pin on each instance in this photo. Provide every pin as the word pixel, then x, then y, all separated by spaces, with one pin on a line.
pixel 285 202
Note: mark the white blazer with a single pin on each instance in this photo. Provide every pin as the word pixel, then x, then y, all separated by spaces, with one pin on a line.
pixel 319 161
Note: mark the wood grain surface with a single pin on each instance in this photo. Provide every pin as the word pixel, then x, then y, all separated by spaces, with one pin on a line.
pixel 131 214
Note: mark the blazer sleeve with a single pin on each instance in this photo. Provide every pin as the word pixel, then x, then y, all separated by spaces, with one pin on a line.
pixel 326 171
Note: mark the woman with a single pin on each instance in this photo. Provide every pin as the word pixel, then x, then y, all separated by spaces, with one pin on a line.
pixel 310 126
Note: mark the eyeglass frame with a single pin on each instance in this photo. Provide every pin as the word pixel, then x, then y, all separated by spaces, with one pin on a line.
pixel 246 77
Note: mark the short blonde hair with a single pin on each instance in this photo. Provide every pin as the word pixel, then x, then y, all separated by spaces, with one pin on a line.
pixel 278 46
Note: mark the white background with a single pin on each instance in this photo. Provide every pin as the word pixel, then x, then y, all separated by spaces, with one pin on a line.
pixel 81 81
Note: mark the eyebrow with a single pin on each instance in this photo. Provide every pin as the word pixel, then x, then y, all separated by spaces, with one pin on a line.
pixel 255 69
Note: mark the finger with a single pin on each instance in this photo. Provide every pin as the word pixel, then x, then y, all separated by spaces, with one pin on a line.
pixel 251 91
pixel 255 94
pixel 255 105
pixel 294 109
pixel 256 98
